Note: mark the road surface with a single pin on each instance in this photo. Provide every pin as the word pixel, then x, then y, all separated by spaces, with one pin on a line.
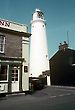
pixel 50 98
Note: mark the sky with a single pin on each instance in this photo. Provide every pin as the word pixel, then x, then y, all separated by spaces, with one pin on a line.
pixel 59 16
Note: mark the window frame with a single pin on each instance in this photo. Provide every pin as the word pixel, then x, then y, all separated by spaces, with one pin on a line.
pixel 6 73
pixel 25 69
pixel 15 74
pixel 3 44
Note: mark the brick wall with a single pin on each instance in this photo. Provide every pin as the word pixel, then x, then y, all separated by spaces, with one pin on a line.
pixel 13 46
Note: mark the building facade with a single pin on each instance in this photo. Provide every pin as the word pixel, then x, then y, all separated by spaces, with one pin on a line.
pixel 14 57
pixel 62 66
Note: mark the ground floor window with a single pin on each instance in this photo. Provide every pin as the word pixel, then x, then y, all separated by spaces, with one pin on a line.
pixel 3 72
pixel 26 69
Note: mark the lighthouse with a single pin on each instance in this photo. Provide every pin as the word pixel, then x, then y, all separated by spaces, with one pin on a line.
pixel 39 62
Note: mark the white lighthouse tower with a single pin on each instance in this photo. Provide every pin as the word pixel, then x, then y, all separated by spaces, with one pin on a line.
pixel 39 62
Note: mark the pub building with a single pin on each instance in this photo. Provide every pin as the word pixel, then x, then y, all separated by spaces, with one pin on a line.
pixel 14 57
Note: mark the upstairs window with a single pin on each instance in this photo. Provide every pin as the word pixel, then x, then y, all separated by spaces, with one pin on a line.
pixel 2 43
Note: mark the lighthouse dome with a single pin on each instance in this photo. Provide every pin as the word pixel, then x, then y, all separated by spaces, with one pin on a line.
pixel 38 14
pixel 38 10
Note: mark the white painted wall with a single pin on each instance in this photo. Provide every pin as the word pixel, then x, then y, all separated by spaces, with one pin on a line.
pixel 4 88
pixel 39 61
pixel 25 55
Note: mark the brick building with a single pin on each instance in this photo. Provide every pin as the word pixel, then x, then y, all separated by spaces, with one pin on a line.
pixel 62 66
pixel 14 57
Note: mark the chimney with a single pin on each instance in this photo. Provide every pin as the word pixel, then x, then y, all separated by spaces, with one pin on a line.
pixel 63 46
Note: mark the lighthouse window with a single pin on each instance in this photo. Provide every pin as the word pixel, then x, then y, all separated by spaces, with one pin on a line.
pixel 43 25
pixel 40 15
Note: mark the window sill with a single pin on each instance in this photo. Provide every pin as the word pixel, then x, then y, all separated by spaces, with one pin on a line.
pixel 3 81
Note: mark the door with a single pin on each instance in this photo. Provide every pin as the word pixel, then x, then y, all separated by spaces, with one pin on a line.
pixel 15 79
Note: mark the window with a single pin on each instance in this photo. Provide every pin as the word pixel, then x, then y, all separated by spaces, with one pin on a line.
pixel 43 25
pixel 25 69
pixel 3 72
pixel 2 43
pixel 15 74
pixel 40 15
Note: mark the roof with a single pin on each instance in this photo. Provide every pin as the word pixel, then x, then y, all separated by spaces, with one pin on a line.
pixel 62 52
pixel 26 34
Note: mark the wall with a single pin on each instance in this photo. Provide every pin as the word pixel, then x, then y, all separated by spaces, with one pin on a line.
pixel 13 45
pixel 61 70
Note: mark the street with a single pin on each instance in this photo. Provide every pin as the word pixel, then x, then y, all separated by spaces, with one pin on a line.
pixel 49 98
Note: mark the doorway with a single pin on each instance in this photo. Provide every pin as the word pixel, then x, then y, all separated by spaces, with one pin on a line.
pixel 15 79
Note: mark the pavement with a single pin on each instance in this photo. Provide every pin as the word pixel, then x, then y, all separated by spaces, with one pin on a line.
pixel 49 98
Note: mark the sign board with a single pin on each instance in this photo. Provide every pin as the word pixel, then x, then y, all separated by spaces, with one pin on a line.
pixel 13 26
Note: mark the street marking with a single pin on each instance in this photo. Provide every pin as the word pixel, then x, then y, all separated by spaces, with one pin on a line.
pixel 69 87
pixel 66 90
pixel 69 94
pixel 61 95
pixel 53 96
pixel 62 88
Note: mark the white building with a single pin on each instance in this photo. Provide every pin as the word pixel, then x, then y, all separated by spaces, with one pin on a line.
pixel 39 61
pixel 14 57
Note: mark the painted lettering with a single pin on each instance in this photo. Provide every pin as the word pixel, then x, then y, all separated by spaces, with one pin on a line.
pixel 7 24
pixel 4 23
pixel 1 22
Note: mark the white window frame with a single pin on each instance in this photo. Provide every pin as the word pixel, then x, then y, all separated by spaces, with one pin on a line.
pixel 3 44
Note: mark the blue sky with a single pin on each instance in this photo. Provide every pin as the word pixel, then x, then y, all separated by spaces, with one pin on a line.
pixel 59 16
